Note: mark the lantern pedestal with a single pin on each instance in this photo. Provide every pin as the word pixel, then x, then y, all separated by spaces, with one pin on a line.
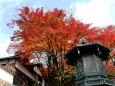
pixel 88 60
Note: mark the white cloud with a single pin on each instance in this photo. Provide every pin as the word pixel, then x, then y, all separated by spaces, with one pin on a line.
pixel 97 12
pixel 4 42
pixel 4 39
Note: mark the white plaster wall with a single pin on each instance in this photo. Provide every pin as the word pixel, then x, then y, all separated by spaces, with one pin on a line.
pixel 4 75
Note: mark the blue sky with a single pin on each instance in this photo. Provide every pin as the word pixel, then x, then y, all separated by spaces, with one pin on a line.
pixel 99 12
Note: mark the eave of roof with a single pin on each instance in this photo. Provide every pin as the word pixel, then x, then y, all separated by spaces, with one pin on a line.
pixel 10 57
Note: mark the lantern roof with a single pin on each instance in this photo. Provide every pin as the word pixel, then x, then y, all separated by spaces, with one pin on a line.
pixel 86 48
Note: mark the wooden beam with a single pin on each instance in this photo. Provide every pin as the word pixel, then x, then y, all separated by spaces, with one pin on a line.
pixel 7 61
pixel 23 70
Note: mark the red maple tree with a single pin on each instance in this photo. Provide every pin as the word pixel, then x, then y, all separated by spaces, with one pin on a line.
pixel 54 33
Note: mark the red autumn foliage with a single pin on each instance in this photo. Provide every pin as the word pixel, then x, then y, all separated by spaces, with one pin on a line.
pixel 54 33
pixel 110 68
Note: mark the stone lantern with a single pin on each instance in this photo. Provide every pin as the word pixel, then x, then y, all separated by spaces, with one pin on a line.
pixel 88 60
